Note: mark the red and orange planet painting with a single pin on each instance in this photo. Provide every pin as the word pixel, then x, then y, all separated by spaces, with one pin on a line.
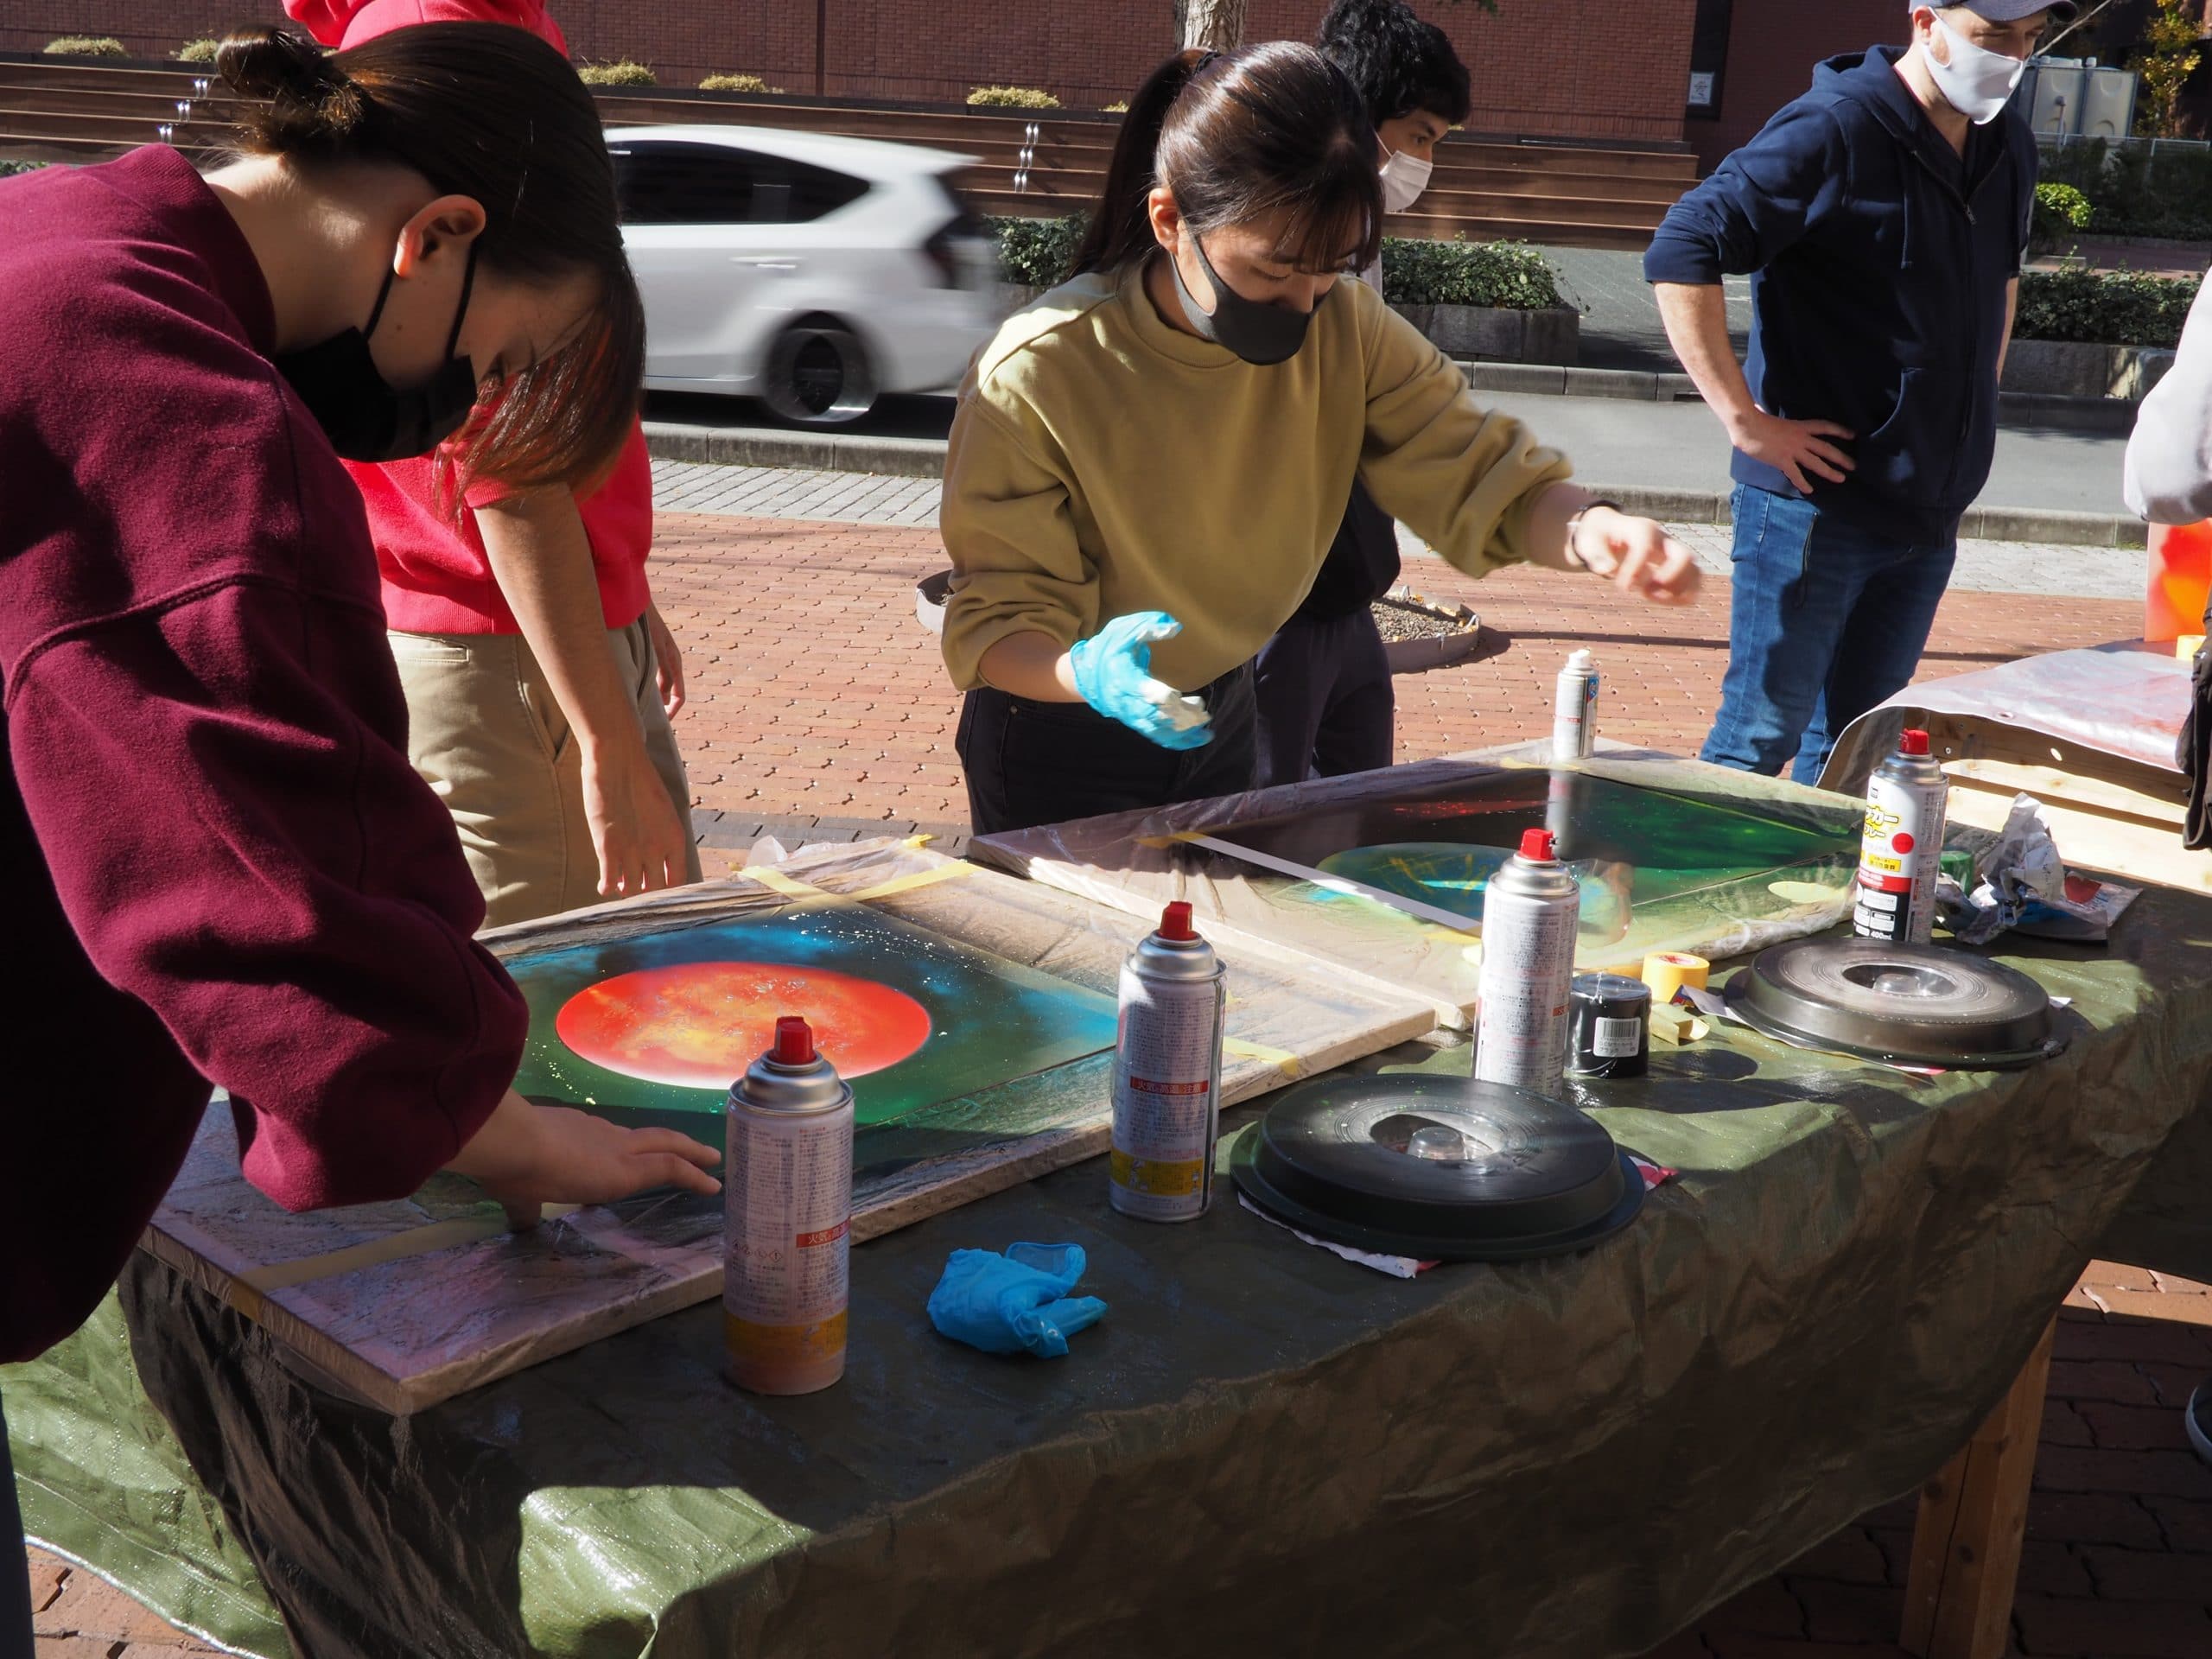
pixel 698 1025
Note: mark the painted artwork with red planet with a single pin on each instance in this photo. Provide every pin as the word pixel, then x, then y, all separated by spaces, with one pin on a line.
pixel 654 1029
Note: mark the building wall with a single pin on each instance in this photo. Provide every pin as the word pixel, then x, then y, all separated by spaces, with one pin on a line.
pixel 1773 46
pixel 1579 68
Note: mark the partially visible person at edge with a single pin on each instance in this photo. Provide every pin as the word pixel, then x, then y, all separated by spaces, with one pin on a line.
pixel 1882 217
pixel 540 678
pixel 1147 465
pixel 1322 686
pixel 2168 481
pixel 222 870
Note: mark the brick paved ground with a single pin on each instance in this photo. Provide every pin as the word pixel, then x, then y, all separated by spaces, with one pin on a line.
pixel 819 709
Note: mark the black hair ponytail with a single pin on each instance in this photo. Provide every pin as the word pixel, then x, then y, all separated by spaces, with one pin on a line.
pixel 1238 136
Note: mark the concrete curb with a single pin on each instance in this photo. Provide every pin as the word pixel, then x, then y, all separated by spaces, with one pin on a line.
pixel 924 458
pixel 822 451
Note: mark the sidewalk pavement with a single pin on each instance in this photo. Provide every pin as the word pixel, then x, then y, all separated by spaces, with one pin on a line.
pixel 818 710
pixel 860 497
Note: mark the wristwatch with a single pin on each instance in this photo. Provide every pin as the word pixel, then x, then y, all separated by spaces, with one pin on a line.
pixel 1575 529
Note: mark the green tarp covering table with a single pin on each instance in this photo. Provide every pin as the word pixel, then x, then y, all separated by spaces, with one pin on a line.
pixel 1260 1448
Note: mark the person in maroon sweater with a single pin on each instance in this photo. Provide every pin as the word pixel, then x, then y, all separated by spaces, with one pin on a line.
pixel 221 869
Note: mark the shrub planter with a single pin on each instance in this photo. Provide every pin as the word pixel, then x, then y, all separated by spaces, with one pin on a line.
pixel 1552 335
pixel 2074 369
pixel 1420 633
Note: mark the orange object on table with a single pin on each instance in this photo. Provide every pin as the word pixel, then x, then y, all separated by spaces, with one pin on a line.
pixel 2181 576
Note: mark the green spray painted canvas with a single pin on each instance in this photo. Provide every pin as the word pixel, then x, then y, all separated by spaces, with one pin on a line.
pixel 1655 865
pixel 653 1027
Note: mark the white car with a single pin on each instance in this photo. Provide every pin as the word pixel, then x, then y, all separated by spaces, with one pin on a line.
pixel 814 272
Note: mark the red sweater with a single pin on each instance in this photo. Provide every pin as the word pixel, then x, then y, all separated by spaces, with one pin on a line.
pixel 220 867
pixel 436 578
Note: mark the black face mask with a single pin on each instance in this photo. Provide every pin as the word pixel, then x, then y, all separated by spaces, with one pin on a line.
pixel 364 418
pixel 1255 331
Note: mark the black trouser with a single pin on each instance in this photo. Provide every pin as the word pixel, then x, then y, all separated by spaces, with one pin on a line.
pixel 1031 763
pixel 1326 706
pixel 1324 703
pixel 15 1578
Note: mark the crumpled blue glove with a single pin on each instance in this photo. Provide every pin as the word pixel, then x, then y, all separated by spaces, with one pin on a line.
pixel 1113 674
pixel 1003 1303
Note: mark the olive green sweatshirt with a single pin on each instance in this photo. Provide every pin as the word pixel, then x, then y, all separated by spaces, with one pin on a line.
pixel 1103 462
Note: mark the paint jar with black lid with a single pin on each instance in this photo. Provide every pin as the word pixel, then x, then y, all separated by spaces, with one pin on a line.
pixel 1609 1027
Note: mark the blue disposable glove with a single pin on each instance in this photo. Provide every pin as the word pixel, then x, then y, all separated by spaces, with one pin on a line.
pixel 1003 1303
pixel 1113 674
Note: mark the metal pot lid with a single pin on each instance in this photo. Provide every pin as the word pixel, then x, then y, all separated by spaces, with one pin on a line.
pixel 1911 1004
pixel 1439 1168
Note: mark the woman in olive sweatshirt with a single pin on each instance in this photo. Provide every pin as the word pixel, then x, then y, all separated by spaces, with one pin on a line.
pixel 1147 465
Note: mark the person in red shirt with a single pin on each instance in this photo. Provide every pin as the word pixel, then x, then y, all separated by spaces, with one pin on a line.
pixel 222 870
pixel 540 678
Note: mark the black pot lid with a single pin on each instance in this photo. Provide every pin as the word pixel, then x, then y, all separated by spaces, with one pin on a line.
pixel 1439 1168
pixel 1911 1004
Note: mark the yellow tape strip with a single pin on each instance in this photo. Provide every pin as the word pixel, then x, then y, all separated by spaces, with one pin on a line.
pixel 1289 1065
pixel 907 883
pixel 776 881
pixel 251 1288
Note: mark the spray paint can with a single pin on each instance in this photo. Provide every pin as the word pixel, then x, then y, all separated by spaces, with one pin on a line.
pixel 1907 799
pixel 1531 909
pixel 1574 708
pixel 1167 1073
pixel 787 1219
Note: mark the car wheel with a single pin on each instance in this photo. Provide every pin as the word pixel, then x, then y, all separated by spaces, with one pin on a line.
pixel 818 374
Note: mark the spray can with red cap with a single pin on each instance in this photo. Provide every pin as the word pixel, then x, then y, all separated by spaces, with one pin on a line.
pixel 1167 1073
pixel 1531 909
pixel 1908 799
pixel 787 1219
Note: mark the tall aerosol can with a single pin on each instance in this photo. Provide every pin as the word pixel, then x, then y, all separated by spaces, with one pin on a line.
pixel 787 1219
pixel 1167 1073
pixel 1574 708
pixel 1907 801
pixel 1531 909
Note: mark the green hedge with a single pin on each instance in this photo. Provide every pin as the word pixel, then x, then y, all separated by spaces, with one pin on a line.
pixel 622 73
pixel 1509 275
pixel 2108 308
pixel 2133 192
pixel 8 169
pixel 200 51
pixel 1037 252
pixel 85 46
pixel 1013 98
pixel 736 84
pixel 2061 213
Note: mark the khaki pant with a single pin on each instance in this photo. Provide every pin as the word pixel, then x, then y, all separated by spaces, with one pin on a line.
pixel 487 732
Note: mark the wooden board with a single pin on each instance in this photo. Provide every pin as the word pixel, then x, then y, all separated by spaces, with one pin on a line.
pixel 1138 861
pixel 2106 811
pixel 404 1305
pixel 1971 1522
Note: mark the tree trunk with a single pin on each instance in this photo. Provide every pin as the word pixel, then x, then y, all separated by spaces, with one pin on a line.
pixel 1214 25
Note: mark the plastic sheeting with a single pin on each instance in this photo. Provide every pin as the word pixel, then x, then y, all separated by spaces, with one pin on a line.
pixel 1260 1446
pixel 2122 700
pixel 1683 856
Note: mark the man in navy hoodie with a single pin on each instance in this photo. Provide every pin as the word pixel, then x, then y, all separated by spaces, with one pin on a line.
pixel 1882 217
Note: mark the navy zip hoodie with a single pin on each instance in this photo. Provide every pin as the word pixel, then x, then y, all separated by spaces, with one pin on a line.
pixel 1880 263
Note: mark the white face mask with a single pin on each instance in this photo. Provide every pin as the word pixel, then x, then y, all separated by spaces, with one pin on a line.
pixel 1977 82
pixel 1404 177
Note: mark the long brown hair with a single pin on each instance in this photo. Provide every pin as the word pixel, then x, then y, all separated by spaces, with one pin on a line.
pixel 490 111
pixel 1237 136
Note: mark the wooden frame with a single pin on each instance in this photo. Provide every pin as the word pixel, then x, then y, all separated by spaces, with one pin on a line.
pixel 404 1305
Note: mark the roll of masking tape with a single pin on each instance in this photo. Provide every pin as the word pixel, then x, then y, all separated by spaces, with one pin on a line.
pixel 1667 971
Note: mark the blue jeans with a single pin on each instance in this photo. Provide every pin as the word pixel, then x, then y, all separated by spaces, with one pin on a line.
pixel 15 1577
pixel 1826 621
